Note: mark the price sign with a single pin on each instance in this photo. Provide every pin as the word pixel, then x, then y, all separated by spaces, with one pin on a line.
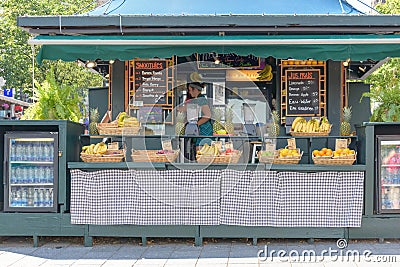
pixel 166 145
pixel 303 92
pixel 340 144
pixel 270 147
pixel 291 143
pixel 150 81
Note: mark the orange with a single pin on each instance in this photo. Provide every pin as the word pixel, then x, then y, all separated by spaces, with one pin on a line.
pixel 324 149
pixel 321 153
pixel 329 152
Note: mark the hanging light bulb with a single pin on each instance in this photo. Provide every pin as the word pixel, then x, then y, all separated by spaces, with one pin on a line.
pixel 90 64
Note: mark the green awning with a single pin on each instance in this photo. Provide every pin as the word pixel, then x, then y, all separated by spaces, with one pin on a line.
pixel 320 47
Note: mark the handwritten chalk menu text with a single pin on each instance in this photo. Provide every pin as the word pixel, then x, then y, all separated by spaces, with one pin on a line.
pixel 151 81
pixel 303 92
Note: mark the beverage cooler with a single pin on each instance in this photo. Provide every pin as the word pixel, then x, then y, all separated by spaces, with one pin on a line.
pixel 388 174
pixel 30 171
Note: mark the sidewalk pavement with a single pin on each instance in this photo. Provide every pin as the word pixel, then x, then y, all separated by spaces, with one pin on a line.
pixel 120 252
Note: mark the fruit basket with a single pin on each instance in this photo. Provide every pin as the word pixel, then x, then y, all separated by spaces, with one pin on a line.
pixel 264 157
pixel 326 133
pixel 113 129
pixel 154 155
pixel 219 159
pixel 281 158
pixel 345 160
pixel 109 156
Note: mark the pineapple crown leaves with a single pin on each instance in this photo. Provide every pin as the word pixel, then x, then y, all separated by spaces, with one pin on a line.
pixel 346 116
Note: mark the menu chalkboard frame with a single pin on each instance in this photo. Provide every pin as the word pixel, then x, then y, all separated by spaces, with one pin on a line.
pixel 318 84
pixel 223 58
pixel 137 77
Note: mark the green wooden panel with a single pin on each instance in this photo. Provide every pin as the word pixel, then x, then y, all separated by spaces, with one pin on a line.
pixel 377 227
pixel 230 231
pixel 40 224
pixel 144 230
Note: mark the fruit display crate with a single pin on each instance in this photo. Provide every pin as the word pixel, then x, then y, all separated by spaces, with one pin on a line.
pixel 343 160
pixel 113 129
pixel 292 133
pixel 109 156
pixel 154 156
pixel 219 159
pixel 276 159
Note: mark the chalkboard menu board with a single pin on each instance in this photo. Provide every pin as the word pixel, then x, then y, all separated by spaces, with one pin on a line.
pixel 303 92
pixel 231 60
pixel 151 84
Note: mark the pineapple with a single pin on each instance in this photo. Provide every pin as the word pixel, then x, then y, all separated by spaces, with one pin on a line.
pixel 94 117
pixel 275 123
pixel 217 125
pixel 180 123
pixel 345 128
pixel 229 127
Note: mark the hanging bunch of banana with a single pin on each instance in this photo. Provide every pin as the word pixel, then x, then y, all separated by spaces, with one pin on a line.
pixel 265 74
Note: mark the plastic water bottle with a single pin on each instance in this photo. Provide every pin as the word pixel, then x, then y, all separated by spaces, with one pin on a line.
pixel 50 177
pixel 13 175
pixel 51 151
pixel 41 198
pixel 13 199
pixel 18 202
pixel 41 178
pixel 24 154
pixel 24 198
pixel 46 152
pixel 36 178
pixel 30 197
pixel 47 198
pixel 18 151
pixel 51 198
pixel 31 175
pixel 13 151
pixel 24 178
pixel 18 175
pixel 35 198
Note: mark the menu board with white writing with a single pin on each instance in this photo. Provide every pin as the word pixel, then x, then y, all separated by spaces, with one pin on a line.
pixel 303 92
pixel 150 82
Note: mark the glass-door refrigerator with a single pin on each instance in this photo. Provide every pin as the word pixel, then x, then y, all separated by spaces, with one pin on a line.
pixel 388 174
pixel 30 171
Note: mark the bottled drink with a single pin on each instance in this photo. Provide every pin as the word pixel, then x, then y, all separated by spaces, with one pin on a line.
pixel 36 178
pixel 30 197
pixel 50 175
pixel 13 196
pixel 51 151
pixel 18 151
pixel 46 152
pixel 41 197
pixel 24 151
pixel 41 178
pixel 24 198
pixel 35 198
pixel 36 151
pixel 13 151
pixel 18 202
pixel 47 198
pixel 51 198
pixel 18 174
pixel 24 175
pixel 31 174
pixel 13 175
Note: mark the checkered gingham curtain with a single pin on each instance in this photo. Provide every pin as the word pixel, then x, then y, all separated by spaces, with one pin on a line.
pixel 214 197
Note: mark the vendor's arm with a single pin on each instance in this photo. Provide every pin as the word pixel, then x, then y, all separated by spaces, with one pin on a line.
pixel 205 110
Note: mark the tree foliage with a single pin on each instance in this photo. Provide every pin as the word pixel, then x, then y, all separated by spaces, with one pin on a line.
pixel 16 55
pixel 385 81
